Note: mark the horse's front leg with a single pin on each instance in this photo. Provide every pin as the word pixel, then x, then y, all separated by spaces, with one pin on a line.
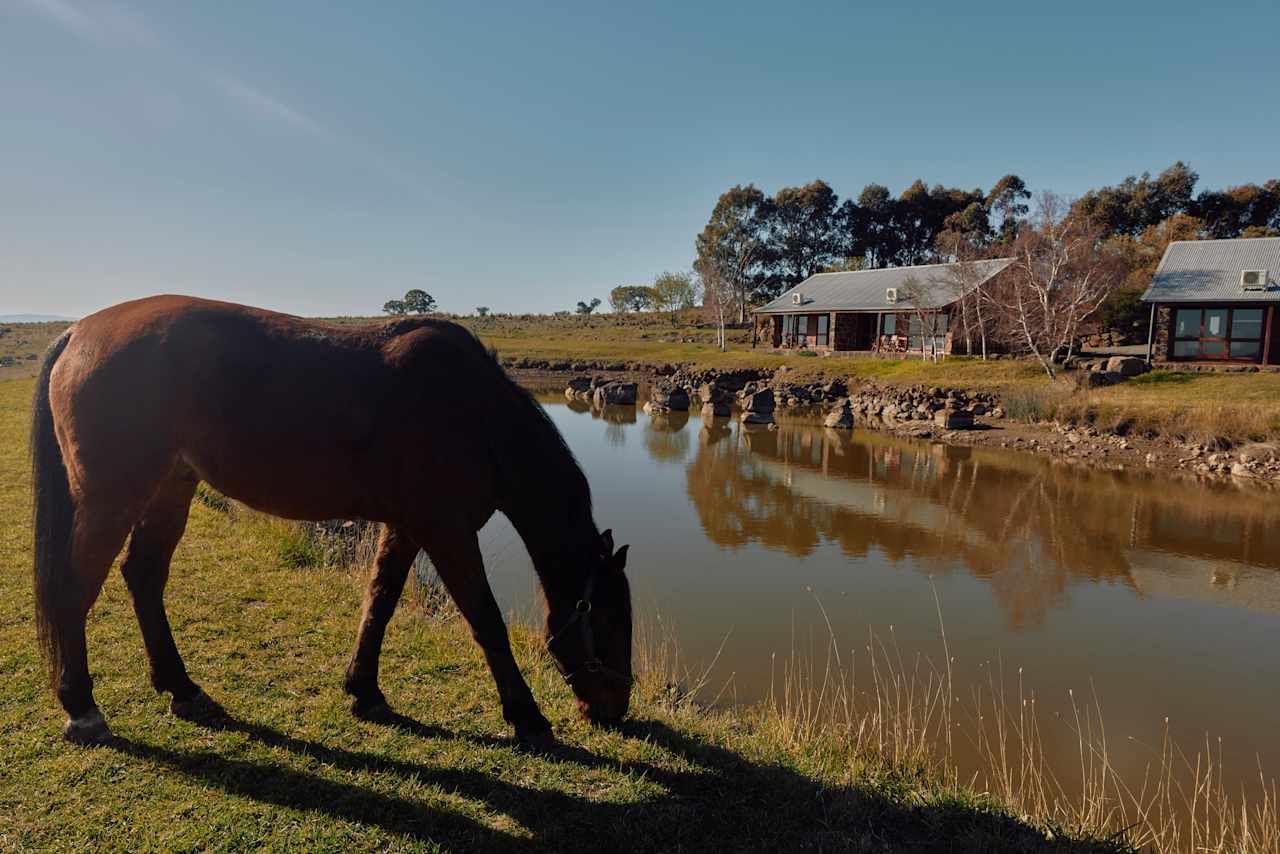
pixel 456 555
pixel 396 552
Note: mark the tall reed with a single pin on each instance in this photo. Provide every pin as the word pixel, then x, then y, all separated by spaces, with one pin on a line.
pixel 909 711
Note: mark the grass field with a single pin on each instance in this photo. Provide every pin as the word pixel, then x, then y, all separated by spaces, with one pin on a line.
pixel 22 344
pixel 290 769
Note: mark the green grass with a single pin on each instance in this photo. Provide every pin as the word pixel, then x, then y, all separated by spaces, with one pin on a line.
pixel 292 770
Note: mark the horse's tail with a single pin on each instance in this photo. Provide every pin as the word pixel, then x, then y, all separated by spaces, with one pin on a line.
pixel 53 513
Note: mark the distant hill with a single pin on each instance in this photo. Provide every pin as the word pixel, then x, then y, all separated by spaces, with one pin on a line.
pixel 33 318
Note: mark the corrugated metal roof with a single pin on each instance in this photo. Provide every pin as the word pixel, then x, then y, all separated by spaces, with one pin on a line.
pixel 864 290
pixel 1209 270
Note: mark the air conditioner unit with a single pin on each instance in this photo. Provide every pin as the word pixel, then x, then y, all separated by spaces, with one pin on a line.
pixel 797 298
pixel 1253 280
pixel 890 294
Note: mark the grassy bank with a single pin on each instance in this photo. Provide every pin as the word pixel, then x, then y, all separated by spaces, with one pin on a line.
pixel 1237 407
pixel 266 627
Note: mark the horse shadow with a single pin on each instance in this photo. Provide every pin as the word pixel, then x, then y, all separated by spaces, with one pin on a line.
pixel 717 800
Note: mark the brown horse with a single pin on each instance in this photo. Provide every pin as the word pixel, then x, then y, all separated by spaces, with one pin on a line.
pixel 410 423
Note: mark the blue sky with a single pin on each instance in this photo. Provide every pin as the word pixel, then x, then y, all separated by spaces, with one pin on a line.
pixel 320 160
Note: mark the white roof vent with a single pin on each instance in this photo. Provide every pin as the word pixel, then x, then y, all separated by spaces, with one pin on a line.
pixel 1253 280
pixel 797 298
pixel 890 294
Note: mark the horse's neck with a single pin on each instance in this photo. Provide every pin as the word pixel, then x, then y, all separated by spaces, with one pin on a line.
pixel 548 502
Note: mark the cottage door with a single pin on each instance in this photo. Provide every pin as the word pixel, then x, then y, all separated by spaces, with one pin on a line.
pixel 1213 335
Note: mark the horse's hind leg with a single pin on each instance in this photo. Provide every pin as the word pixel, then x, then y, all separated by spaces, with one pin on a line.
pixel 145 570
pixel 100 531
pixel 390 569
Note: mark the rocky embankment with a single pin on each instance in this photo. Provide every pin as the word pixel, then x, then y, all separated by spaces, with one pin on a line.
pixel 949 415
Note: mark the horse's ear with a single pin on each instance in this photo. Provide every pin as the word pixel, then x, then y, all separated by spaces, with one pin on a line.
pixel 606 543
pixel 619 560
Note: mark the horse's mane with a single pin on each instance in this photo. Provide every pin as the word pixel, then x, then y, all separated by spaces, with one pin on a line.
pixel 534 437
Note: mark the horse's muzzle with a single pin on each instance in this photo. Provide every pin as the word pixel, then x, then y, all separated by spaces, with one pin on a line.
pixel 606 710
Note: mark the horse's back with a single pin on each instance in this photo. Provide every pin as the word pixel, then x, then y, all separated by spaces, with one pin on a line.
pixel 257 403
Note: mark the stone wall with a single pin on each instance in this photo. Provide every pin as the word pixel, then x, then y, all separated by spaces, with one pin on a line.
pixel 1164 324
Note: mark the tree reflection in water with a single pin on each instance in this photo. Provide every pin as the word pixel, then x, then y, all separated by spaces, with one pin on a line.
pixel 1028 526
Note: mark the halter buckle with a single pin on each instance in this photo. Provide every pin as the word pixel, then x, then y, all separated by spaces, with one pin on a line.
pixel 592 665
pixel 583 606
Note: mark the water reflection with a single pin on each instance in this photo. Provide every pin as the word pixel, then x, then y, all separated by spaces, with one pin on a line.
pixel 1027 526
pixel 615 419
pixel 665 437
pixel 1160 595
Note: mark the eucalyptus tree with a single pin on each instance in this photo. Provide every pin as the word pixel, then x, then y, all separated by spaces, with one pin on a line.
pixel 733 242
pixel 801 234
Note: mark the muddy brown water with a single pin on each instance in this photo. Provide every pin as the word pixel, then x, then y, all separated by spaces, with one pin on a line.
pixel 1153 597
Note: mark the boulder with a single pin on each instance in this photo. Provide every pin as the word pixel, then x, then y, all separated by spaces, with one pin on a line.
pixel 841 416
pixel 1126 366
pixel 615 394
pixel 716 410
pixel 579 387
pixel 953 419
pixel 1091 378
pixel 669 396
pixel 835 389
pixel 760 402
pixel 712 393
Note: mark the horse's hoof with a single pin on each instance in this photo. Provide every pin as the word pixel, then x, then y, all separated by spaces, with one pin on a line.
pixel 377 710
pixel 87 730
pixel 541 742
pixel 198 707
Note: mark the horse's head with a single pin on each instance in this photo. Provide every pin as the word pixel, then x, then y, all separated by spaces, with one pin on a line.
pixel 589 634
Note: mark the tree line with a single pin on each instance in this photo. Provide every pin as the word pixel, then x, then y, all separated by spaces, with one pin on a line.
pixel 670 292
pixel 764 244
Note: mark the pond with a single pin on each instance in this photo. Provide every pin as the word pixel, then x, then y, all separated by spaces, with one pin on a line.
pixel 1141 596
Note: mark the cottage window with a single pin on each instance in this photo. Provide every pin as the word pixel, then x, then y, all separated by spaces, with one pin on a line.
pixel 802 329
pixel 929 333
pixel 890 324
pixel 820 339
pixel 1218 333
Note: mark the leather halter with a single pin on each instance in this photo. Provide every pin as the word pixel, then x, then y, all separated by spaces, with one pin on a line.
pixel 591 663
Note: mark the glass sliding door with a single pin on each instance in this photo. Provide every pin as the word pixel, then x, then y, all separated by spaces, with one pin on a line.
pixel 1246 334
pixel 1234 334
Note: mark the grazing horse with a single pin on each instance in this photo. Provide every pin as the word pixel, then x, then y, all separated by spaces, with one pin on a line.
pixel 410 423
